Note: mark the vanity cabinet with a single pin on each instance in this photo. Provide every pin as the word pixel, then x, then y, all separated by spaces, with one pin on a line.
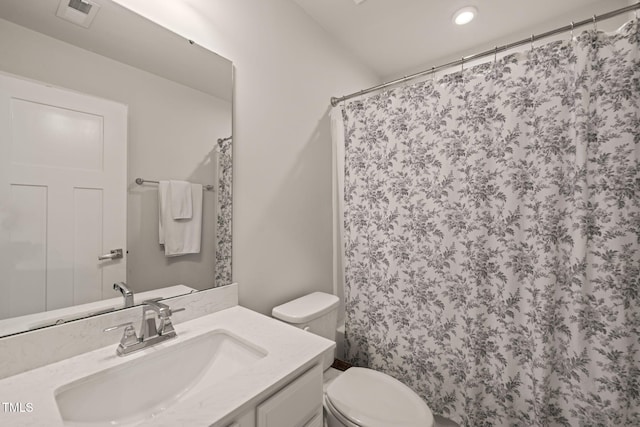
pixel 251 371
pixel 298 404
pixel 248 419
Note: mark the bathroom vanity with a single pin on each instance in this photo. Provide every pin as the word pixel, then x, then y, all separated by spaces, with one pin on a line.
pixel 233 367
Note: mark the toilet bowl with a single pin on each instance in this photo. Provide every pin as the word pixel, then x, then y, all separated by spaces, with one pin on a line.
pixel 359 397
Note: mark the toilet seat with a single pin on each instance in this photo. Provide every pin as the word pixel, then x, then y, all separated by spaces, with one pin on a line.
pixel 369 398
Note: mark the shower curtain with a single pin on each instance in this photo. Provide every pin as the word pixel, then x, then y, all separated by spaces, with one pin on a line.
pixel 224 211
pixel 492 236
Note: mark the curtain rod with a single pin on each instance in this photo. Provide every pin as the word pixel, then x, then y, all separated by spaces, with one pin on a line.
pixel 498 49
pixel 221 140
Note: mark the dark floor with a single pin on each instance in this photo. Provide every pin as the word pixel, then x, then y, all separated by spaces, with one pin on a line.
pixel 444 422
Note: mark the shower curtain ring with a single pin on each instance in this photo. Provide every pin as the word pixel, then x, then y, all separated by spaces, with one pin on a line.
pixel 595 23
pixel 433 74
pixel 462 65
pixel 573 26
pixel 532 39
pixel 495 55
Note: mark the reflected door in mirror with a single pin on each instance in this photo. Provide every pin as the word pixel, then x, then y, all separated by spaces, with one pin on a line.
pixel 63 167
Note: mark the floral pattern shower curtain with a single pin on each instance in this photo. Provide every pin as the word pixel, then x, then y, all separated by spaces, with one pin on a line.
pixel 492 236
pixel 224 212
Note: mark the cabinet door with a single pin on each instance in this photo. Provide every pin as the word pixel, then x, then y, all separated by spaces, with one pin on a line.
pixel 246 420
pixel 315 421
pixel 296 404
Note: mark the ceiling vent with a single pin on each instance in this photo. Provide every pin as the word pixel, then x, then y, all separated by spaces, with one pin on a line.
pixel 80 12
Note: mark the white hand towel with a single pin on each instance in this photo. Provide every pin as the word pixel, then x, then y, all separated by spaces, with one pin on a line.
pixel 181 200
pixel 180 236
pixel 163 196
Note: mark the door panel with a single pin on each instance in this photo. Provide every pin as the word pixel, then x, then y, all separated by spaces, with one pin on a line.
pixel 28 239
pixel 44 135
pixel 87 239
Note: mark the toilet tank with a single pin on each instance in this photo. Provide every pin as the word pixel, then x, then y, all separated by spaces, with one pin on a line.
pixel 316 313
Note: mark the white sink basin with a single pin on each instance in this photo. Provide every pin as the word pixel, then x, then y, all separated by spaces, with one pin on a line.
pixel 141 388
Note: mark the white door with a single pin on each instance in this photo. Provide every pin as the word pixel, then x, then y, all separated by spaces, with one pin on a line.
pixel 62 196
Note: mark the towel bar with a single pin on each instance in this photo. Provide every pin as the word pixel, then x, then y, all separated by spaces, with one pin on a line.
pixel 141 181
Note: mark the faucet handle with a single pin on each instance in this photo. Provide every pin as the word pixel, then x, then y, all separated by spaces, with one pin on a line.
pixel 166 325
pixel 129 337
pixel 122 325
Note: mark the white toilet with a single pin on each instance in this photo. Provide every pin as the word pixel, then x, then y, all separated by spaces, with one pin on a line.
pixel 359 397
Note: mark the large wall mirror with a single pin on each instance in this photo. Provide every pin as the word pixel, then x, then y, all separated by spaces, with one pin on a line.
pixel 105 116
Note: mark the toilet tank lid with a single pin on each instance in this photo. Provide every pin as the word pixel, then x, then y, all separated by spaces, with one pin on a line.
pixel 306 308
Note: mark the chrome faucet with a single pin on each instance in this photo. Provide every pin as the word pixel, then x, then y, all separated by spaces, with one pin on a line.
pixel 150 332
pixel 126 293
pixel 149 329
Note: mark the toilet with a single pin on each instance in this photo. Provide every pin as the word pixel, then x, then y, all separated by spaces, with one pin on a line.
pixel 359 397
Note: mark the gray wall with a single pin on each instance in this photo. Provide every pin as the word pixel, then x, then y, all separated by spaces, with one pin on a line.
pixel 287 68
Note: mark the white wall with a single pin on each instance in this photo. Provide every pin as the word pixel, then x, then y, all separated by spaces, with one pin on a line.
pixel 172 133
pixel 287 68
pixel 576 15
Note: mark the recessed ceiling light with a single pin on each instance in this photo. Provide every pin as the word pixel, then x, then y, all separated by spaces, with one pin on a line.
pixel 465 15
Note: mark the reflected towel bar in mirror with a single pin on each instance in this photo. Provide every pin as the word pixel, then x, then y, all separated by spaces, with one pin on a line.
pixel 141 181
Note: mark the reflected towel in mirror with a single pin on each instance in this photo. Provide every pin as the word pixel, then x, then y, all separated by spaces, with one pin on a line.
pixel 181 201
pixel 179 236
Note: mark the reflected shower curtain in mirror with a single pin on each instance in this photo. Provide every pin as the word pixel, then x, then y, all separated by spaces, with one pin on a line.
pixel 492 236
pixel 224 211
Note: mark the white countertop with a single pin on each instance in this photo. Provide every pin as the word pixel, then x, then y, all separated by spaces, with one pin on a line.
pixel 290 351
